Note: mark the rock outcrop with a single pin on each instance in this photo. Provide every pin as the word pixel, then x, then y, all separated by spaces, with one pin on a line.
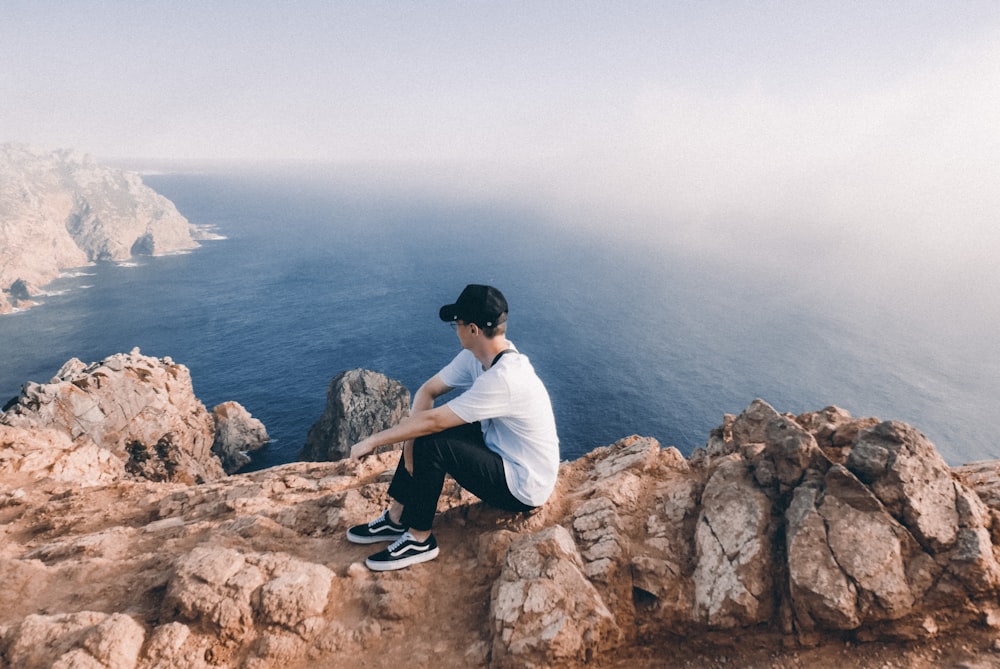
pixel 237 433
pixel 61 209
pixel 128 415
pixel 783 532
pixel 359 402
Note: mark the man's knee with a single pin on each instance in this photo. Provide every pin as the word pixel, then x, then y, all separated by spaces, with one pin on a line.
pixel 470 432
pixel 428 447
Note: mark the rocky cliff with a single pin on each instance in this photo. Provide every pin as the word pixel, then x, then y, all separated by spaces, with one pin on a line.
pixel 816 540
pixel 61 209
pixel 127 416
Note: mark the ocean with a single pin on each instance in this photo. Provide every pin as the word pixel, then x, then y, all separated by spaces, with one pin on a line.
pixel 316 275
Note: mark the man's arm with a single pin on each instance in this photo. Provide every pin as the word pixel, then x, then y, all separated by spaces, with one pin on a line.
pixel 432 389
pixel 423 402
pixel 415 425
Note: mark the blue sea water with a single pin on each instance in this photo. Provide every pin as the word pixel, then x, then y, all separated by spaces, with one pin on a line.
pixel 317 276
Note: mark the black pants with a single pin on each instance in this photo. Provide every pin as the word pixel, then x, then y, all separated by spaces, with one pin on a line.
pixel 461 452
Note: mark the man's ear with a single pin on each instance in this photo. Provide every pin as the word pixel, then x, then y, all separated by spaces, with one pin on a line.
pixel 474 329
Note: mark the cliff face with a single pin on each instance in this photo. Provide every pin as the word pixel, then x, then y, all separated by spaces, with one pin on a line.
pixel 60 209
pixel 783 532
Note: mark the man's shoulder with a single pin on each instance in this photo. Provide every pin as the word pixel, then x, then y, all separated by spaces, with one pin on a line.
pixel 517 369
pixel 462 358
pixel 461 371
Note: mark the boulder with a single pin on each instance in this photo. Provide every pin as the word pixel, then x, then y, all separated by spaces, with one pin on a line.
pixel 849 560
pixel 545 612
pixel 359 402
pixel 791 454
pixel 663 552
pixel 733 581
pixel 231 592
pixel 237 433
pixel 822 594
pixel 835 430
pixel 173 645
pixel 750 427
pixel 907 474
pixel 68 640
pixel 213 586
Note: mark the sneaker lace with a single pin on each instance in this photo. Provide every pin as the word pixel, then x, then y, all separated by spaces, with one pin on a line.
pixel 400 541
pixel 382 517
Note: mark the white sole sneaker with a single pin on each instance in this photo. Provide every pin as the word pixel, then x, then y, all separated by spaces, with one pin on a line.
pixel 373 538
pixel 379 530
pixel 405 552
pixel 401 563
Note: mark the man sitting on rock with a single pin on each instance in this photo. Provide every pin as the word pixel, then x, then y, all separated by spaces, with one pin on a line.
pixel 497 439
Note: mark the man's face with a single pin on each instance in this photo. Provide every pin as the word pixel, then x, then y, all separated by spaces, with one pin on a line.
pixel 464 332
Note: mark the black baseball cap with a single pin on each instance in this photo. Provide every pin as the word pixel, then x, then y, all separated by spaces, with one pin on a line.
pixel 483 305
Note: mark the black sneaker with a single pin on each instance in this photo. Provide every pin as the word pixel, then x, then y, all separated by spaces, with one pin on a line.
pixel 404 552
pixel 380 529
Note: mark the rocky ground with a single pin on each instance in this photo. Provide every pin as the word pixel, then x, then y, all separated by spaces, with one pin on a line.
pixel 817 540
pixel 138 550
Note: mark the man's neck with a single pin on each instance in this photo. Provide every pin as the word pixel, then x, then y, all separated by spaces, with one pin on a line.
pixel 489 350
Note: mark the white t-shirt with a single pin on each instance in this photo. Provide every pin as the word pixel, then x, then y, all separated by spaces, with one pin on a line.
pixel 516 414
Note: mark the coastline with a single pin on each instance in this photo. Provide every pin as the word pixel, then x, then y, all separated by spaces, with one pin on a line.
pixel 63 210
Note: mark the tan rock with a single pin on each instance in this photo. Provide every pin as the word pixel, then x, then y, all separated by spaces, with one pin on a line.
pixel 27 454
pixel 76 640
pixel 822 594
pixel 359 402
pixel 733 579
pixel 213 586
pixel 142 410
pixel 911 479
pixel 298 592
pixel 172 645
pixel 236 434
pixel 544 610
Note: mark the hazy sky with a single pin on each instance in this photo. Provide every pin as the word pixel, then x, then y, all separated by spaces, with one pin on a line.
pixel 836 123
pixel 497 80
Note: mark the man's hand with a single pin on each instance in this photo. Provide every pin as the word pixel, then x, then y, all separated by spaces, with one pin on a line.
pixel 361 449
pixel 408 456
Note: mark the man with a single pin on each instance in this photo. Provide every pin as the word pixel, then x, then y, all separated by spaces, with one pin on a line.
pixel 497 439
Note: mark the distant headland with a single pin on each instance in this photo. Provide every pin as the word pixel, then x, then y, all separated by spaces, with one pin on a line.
pixel 61 209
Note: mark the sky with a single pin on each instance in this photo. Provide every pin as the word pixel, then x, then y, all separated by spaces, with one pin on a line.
pixel 502 81
pixel 868 130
